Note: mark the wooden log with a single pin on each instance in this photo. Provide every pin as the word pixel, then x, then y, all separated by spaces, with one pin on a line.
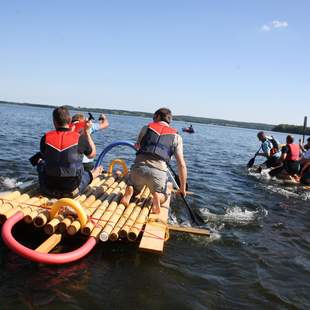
pixel 102 207
pixel 153 238
pixel 116 215
pixel 190 230
pixel 140 221
pixel 90 205
pixel 52 225
pixel 13 203
pixel 26 207
pixel 108 212
pixel 8 196
pixel 114 234
pixel 131 220
pixel 49 244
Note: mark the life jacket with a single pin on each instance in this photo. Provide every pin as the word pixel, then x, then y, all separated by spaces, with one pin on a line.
pixel 158 141
pixel 294 152
pixel 61 155
pixel 275 145
pixel 78 126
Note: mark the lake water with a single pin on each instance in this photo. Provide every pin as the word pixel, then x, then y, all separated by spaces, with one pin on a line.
pixel 257 257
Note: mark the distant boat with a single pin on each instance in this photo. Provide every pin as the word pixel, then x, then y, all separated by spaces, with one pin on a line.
pixel 189 129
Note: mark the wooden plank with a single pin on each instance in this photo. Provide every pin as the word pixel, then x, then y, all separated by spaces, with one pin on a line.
pixel 49 244
pixel 190 230
pixel 153 238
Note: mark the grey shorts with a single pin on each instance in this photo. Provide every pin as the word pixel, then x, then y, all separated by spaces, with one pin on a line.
pixel 141 175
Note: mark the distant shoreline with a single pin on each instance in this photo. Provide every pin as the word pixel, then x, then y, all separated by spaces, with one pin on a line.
pixel 183 118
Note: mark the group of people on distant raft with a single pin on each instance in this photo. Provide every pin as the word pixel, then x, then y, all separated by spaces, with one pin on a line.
pixel 289 162
pixel 65 167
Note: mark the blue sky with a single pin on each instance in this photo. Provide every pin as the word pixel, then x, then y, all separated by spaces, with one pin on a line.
pixel 241 60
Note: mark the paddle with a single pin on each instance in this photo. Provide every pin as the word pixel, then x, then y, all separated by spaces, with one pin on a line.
pixel 304 130
pixel 252 160
pixel 196 218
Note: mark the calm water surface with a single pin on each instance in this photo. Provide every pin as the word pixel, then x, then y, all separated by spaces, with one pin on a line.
pixel 258 255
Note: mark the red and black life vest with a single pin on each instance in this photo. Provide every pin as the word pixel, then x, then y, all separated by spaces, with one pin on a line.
pixel 158 141
pixel 293 153
pixel 78 126
pixel 61 155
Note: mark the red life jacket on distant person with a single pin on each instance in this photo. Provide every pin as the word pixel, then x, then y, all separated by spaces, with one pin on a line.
pixel 158 141
pixel 61 155
pixel 293 153
pixel 78 126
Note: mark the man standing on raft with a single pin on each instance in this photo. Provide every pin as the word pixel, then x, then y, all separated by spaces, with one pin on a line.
pixel 156 144
pixel 60 169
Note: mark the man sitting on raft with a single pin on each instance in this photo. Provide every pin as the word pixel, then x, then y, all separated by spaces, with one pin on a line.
pixel 61 171
pixel 270 150
pixel 291 161
pixel 156 144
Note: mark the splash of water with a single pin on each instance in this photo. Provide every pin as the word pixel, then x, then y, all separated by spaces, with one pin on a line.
pixel 8 183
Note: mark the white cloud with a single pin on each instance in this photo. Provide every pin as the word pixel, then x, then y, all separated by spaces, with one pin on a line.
pixel 275 24
pixel 279 24
pixel 265 28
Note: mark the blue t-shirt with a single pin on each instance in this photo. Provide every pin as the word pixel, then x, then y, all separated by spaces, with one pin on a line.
pixel 267 146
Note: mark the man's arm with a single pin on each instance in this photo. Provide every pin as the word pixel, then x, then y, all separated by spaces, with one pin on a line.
pixel 284 153
pixel 140 137
pixel 89 151
pixel 103 121
pixel 182 169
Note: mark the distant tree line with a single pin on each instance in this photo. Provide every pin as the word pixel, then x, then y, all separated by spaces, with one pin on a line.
pixel 183 118
pixel 291 129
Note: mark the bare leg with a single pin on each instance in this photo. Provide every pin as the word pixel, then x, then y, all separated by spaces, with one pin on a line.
pixel 158 199
pixel 128 194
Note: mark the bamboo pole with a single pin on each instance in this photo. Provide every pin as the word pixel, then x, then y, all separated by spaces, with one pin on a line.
pixel 131 220
pixel 49 244
pixel 96 216
pixel 31 205
pixel 107 214
pixel 140 221
pixel 12 208
pixel 9 196
pixel 12 203
pixel 120 216
pixel 72 226
pixel 52 225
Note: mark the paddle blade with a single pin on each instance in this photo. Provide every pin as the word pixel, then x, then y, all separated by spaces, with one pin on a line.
pixel 251 162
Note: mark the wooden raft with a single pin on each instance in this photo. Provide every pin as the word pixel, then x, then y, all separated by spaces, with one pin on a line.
pixel 108 219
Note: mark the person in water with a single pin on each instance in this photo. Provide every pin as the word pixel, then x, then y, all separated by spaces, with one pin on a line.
pixel 157 143
pixel 103 123
pixel 270 150
pixel 61 171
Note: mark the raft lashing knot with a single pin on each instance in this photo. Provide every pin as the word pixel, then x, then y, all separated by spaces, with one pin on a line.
pixel 120 162
pixel 62 205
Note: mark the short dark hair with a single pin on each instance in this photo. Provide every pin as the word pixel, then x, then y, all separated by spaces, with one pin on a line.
pixel 163 114
pixel 61 116
pixel 290 139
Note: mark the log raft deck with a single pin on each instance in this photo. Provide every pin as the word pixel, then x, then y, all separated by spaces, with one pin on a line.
pixel 98 213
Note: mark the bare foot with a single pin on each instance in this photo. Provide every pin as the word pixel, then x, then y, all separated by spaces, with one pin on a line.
pixel 128 194
pixel 97 171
